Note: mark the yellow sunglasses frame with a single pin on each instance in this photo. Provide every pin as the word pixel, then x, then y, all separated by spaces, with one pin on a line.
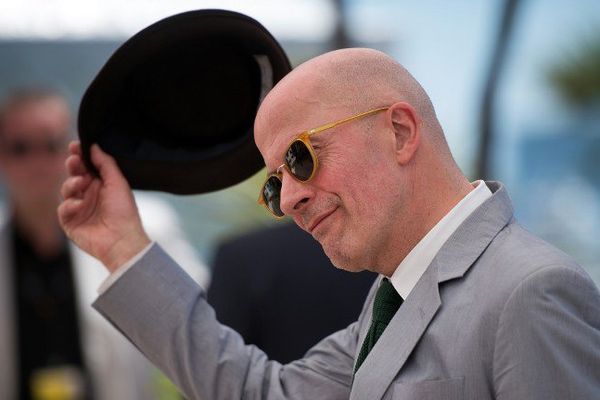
pixel 304 137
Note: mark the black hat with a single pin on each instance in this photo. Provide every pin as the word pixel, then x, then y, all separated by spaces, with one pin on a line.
pixel 175 104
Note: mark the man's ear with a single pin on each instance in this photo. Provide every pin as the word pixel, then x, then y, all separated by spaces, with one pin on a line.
pixel 406 124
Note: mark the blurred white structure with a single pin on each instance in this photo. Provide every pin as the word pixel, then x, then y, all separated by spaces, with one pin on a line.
pixel 310 20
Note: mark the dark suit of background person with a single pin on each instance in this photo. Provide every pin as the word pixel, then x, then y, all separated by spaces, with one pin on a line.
pixel 50 338
pixel 277 288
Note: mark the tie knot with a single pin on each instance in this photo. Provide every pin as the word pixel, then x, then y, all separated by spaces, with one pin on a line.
pixel 387 301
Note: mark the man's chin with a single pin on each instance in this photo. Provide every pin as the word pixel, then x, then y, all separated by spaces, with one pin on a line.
pixel 342 260
pixel 350 268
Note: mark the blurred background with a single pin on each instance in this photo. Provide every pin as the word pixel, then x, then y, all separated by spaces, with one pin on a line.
pixel 516 85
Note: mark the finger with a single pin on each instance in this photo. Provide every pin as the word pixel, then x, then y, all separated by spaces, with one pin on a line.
pixel 74 208
pixel 75 165
pixel 75 186
pixel 107 166
pixel 75 147
pixel 68 210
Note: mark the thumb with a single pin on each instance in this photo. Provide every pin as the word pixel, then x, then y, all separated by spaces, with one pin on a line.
pixel 106 165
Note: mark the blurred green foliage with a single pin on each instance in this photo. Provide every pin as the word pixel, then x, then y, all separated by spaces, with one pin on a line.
pixel 163 388
pixel 577 77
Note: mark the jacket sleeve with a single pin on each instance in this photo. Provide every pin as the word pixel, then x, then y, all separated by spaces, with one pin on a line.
pixel 165 314
pixel 548 338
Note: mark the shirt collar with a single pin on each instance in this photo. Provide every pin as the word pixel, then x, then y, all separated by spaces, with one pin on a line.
pixel 410 270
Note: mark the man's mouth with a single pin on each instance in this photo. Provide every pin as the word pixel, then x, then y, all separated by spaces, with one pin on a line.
pixel 318 220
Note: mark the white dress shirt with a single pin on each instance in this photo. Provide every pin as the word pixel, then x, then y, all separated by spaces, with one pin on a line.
pixel 408 273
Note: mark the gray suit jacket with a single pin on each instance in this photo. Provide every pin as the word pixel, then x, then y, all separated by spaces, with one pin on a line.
pixel 499 314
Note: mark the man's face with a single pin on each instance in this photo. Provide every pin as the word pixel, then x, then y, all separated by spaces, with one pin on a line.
pixel 350 206
pixel 33 138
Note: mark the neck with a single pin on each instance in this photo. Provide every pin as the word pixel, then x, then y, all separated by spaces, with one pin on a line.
pixel 429 203
pixel 39 225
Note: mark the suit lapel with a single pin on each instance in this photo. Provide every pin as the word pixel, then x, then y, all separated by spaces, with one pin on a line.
pixel 453 260
pixel 398 340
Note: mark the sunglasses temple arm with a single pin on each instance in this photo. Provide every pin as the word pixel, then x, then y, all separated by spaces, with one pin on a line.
pixel 343 121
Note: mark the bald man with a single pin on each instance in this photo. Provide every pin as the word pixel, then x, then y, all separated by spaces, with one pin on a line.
pixel 468 305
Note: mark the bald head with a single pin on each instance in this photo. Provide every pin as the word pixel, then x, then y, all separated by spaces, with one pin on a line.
pixel 364 78
pixel 351 80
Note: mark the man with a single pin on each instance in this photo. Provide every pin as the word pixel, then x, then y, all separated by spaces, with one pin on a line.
pixel 471 307
pixel 50 342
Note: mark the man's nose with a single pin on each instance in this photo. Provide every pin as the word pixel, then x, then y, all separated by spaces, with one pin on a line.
pixel 295 195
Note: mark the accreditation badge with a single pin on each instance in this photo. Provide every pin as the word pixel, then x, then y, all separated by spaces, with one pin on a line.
pixel 57 383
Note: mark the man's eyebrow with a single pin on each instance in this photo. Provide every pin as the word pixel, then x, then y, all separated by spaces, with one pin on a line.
pixel 318 138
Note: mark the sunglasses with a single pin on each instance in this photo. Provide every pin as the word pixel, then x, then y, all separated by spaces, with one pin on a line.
pixel 301 162
pixel 23 148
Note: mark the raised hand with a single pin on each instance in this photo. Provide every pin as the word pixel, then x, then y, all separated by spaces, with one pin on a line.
pixel 99 213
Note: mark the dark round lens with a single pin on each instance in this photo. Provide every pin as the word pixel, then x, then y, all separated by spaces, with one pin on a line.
pixel 272 194
pixel 299 160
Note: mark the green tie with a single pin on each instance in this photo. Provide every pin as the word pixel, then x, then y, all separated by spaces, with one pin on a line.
pixel 387 301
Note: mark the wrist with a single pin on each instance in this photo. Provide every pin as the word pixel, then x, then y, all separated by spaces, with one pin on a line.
pixel 125 249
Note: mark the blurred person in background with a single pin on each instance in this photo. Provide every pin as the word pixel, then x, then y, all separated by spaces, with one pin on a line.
pixel 52 345
pixel 282 304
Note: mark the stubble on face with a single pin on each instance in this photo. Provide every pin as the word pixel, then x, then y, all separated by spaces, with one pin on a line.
pixel 354 244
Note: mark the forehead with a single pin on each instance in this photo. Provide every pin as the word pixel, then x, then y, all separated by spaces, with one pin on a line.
pixel 40 118
pixel 273 139
pixel 291 107
pixel 274 131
